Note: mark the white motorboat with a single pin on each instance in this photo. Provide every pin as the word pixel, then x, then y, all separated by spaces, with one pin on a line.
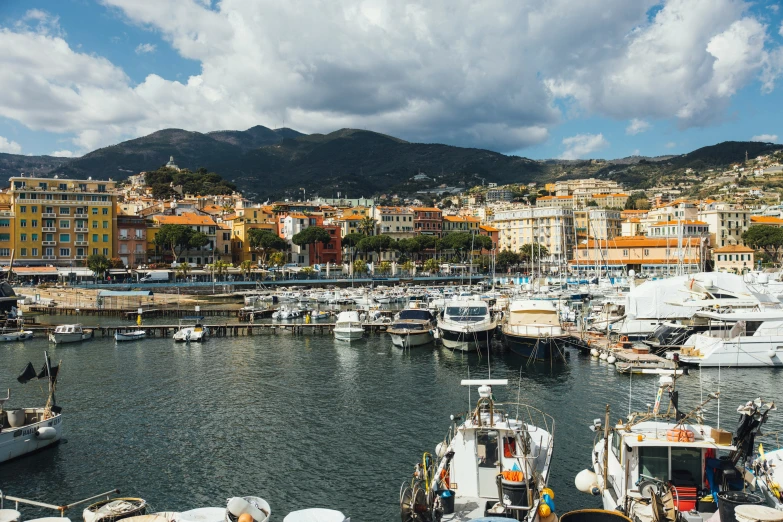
pixel 495 463
pixel 466 325
pixel 70 333
pixel 286 313
pixel 737 339
pixel 130 335
pixel 533 329
pixel 191 333
pixel 768 469
pixel 659 461
pixel 16 335
pixel 319 315
pixel 26 430
pixel 348 327
pixel 412 327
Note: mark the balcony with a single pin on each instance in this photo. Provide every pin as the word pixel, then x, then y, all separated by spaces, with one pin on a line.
pixel 80 216
pixel 81 243
pixel 81 229
pixel 124 238
pixel 49 257
pixel 49 229
pixel 48 215
pixel 78 257
pixel 49 243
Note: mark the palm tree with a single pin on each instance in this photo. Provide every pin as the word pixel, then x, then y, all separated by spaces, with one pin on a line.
pixel 367 226
pixel 359 266
pixel 432 266
pixel 183 269
pixel 408 266
pixel 245 267
pixel 384 267
pixel 218 268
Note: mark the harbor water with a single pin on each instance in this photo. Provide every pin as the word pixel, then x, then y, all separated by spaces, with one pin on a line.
pixel 306 421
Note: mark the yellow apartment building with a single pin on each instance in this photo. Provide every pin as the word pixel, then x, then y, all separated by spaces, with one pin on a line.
pixel 61 222
pixel 240 238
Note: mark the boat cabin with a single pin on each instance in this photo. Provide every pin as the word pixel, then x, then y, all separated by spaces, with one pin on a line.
pixel 68 328
pixel 466 311
pixel 533 318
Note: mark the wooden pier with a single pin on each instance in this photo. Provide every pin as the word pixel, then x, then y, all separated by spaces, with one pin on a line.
pixel 133 312
pixel 226 330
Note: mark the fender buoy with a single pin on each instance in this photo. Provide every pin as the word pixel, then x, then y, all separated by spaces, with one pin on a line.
pixel 680 435
pixel 624 339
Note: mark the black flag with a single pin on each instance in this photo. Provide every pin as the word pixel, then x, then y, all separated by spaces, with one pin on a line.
pixel 674 396
pixel 45 372
pixel 27 374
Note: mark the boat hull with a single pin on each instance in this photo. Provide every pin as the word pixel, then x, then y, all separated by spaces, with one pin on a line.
pixel 539 348
pixel 129 336
pixel 466 341
pixel 65 338
pixel 16 336
pixel 411 339
pixel 17 442
pixel 348 334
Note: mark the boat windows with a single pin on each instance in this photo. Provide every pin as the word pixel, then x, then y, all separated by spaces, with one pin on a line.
pixel 466 313
pixel 417 315
pixel 617 442
pixel 654 462
pixel 487 449
pixel 686 467
pixel 751 327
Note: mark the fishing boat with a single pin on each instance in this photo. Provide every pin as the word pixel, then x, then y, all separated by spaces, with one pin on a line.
pixel 466 325
pixel 412 327
pixel 654 465
pixel 533 329
pixel 737 339
pixel 16 335
pixel 191 332
pixel 768 469
pixel 130 335
pixel 348 326
pixel 26 430
pixel 70 333
pixel 495 461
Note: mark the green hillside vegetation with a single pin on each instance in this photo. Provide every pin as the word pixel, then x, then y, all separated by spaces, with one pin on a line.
pixel 200 183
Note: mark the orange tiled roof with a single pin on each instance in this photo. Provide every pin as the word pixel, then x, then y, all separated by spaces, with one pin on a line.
pixel 766 219
pixel 555 197
pixel 489 228
pixel 426 209
pixel 296 215
pixel 635 212
pixel 186 218
pixel 351 218
pixel 733 249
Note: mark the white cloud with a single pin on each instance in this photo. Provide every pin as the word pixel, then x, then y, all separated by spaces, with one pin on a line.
pixel 637 126
pixel 408 69
pixel 771 138
pixel 10 147
pixel 670 145
pixel 145 48
pixel 63 154
pixel 582 145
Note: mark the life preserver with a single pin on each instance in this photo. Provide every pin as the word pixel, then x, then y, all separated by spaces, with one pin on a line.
pixel 680 435
pixel 624 339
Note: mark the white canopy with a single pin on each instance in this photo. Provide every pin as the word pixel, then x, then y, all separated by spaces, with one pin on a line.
pixel 774 315
pixel 316 515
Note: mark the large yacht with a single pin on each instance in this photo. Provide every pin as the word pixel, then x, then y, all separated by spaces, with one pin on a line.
pixel 494 463
pixel 736 339
pixel 466 325
pixel 533 329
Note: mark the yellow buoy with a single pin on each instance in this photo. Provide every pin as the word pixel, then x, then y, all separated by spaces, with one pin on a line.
pixel 544 510
pixel 548 491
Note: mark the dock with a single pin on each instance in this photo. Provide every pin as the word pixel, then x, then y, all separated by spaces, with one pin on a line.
pixel 226 330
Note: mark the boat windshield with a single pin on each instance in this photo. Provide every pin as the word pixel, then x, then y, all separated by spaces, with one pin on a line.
pixel 468 314
pixel 418 315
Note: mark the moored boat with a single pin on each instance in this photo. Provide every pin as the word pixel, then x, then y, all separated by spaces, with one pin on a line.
pixel 412 327
pixel 348 327
pixel 70 333
pixel 533 330
pixel 26 430
pixel 466 325
pixel 130 335
pixel 191 332
pixel 495 463
pixel 16 335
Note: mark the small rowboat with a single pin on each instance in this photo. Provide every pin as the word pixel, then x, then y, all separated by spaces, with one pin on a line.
pixel 114 509
pixel 131 335
pixel 19 335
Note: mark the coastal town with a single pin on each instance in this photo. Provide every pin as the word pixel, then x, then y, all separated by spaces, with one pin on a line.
pixel 77 230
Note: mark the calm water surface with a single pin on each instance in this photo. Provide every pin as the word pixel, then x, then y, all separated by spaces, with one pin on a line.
pixel 302 421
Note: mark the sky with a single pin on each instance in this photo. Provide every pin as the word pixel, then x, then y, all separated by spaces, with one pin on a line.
pixel 542 79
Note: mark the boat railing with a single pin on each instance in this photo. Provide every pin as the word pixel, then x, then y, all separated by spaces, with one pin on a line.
pixel 61 509
pixel 531 418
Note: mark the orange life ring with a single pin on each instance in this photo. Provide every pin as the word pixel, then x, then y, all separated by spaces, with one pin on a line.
pixel 624 339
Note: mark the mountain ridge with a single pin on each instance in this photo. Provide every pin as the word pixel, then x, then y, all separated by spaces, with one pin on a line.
pixel 275 163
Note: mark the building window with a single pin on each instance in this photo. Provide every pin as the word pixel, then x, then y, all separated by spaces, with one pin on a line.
pixel 95 211
pixel 22 209
pixel 95 251
pixel 35 252
pixel 66 252
pixel 22 222
pixel 24 252
pixel 105 224
pixel 105 251
pixel 95 238
pixel 105 238
pixel 5 237
pixel 65 224
pixel 34 237
pixel 105 211
pixel 5 252
pixel 94 224
pixel 65 211
pixel 65 238
pixel 34 209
